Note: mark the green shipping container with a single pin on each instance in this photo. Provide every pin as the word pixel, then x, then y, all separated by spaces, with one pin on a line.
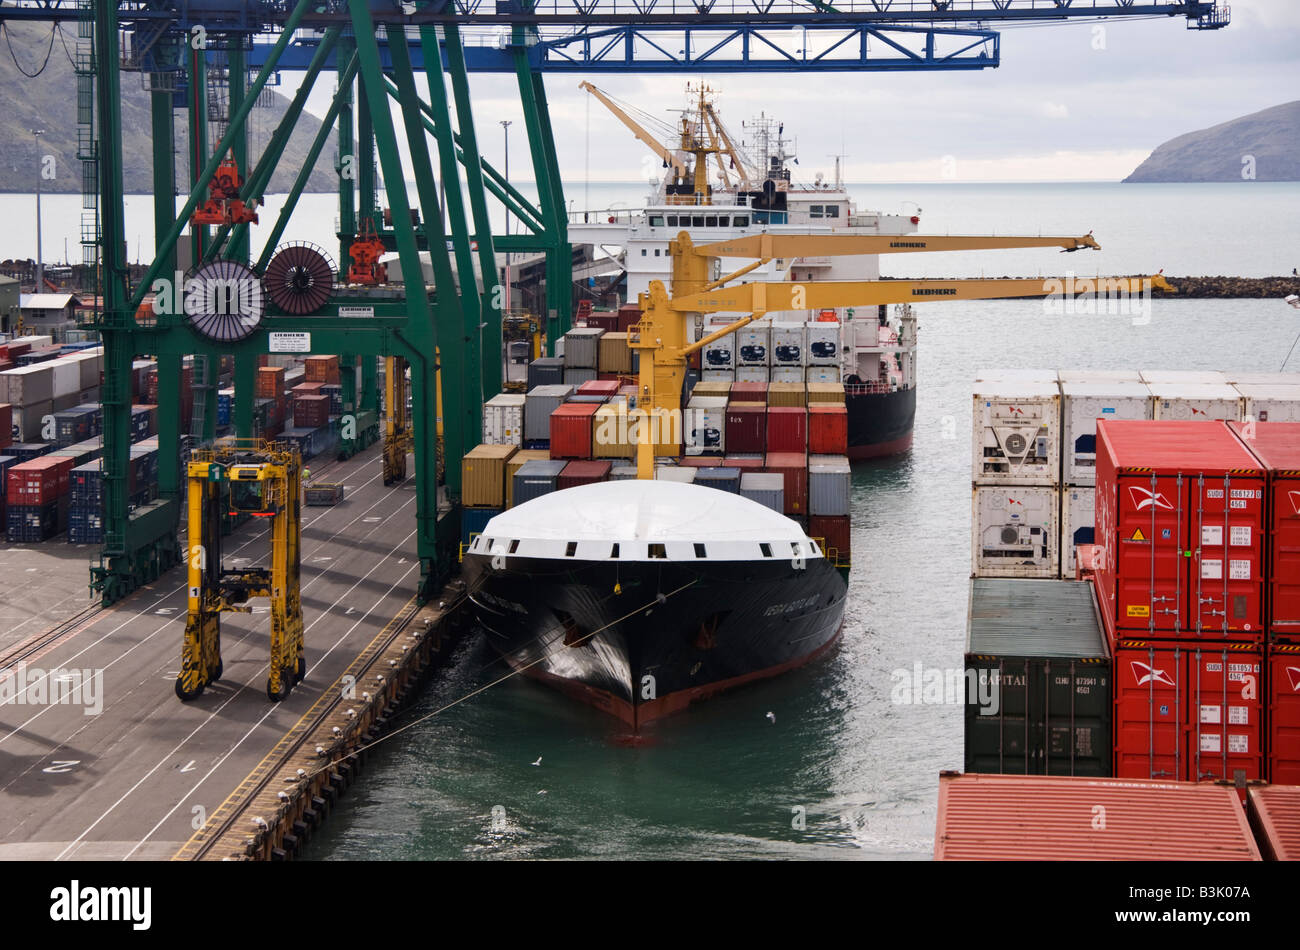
pixel 1038 679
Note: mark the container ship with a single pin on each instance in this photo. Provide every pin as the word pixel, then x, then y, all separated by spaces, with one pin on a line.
pixel 871 351
pixel 642 596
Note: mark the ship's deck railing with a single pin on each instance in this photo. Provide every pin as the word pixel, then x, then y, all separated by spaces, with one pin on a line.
pixel 862 389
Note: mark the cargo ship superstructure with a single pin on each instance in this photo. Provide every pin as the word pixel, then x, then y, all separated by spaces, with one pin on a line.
pixel 874 350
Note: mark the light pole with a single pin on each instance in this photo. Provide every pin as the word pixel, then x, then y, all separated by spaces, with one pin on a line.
pixel 505 127
pixel 40 266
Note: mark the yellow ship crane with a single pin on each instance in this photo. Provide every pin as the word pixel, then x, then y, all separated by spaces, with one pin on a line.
pixel 397 424
pixel 670 159
pixel 661 334
pixel 729 149
pixel 264 480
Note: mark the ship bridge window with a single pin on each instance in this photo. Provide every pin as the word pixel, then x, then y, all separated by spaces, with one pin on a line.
pixel 766 549
pixel 699 550
pixel 741 221
pixel 658 552
pixel 514 546
pixel 816 211
pixel 656 220
pixel 672 220
pixel 656 252
pixel 724 221
pixel 613 551
pixel 711 221
pixel 571 549
pixel 643 252
pixel 832 211
pixel 697 221
pixel 796 548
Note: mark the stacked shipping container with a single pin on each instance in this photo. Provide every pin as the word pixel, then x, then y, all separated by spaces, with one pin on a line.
pixel 1183 529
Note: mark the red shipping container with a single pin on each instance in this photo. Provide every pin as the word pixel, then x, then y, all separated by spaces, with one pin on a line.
pixel 746 427
pixel 1180 519
pixel 605 321
pixel 794 466
pixel 628 314
pixel 18 349
pixel 698 461
pixel 834 530
pixel 307 389
pixel 828 429
pixel 311 412
pixel 1283 713
pixel 787 429
pixel 599 387
pixel 1277 446
pixel 746 463
pixel 583 473
pixel 571 425
pixel 6 424
pixel 38 481
pixel 746 391
pixel 1190 713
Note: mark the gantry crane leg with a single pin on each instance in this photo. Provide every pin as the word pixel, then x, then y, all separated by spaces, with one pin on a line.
pixel 201 652
pixel 397 427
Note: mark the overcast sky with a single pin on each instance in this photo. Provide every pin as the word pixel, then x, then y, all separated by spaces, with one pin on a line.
pixel 1057 109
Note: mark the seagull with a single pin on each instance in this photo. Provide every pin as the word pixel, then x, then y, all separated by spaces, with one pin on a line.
pixel 771 717
pixel 541 791
pixel 283 796
pixel 320 750
pixel 260 822
pixel 538 762
pixel 302 773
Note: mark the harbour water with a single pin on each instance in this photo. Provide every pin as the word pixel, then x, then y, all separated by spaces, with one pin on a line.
pixel 1241 229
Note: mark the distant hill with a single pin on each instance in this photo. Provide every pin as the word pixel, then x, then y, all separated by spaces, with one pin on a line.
pixel 49 102
pixel 1272 136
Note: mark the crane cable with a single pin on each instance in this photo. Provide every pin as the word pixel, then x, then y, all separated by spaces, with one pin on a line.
pixel 659 599
pixel 9 42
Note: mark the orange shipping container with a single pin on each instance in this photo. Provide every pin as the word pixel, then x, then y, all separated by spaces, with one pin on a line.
pixel 1055 818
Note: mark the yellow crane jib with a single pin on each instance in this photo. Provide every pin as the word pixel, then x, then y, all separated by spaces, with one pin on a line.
pixel 661 334
pixel 263 480
pixel 398 437
pixel 832 245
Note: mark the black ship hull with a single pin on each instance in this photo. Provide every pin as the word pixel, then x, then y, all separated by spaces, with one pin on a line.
pixel 641 640
pixel 880 424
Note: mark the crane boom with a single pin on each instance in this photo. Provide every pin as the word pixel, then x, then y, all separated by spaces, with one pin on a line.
pixel 729 148
pixel 816 295
pixel 655 146
pixel 661 334
pixel 830 245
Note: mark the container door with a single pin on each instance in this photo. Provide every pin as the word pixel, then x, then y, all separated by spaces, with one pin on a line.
pixel 1284 714
pixel 1077 714
pixel 1284 573
pixel 1225 585
pixel 1150 702
pixel 1224 733
pixel 1008 741
pixel 1151 531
